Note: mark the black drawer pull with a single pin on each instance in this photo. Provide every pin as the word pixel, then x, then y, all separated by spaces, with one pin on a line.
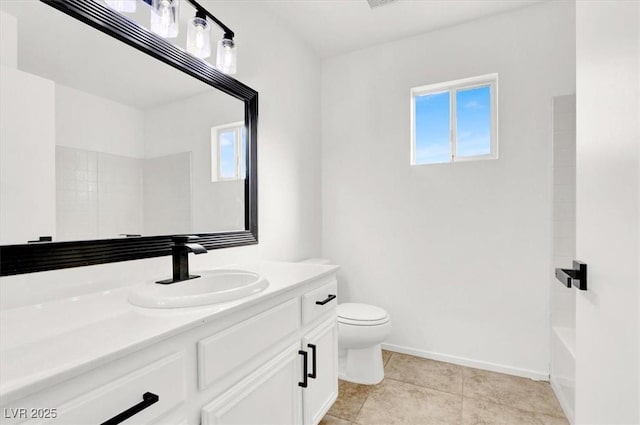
pixel 326 300
pixel 313 375
pixel 305 373
pixel 147 400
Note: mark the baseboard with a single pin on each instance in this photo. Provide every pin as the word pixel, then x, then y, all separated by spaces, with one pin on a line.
pixel 564 404
pixel 493 367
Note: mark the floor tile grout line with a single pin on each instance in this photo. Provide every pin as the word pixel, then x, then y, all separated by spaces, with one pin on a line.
pixel 369 392
pixel 422 386
pixel 516 408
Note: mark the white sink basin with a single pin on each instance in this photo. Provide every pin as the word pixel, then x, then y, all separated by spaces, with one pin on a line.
pixel 215 286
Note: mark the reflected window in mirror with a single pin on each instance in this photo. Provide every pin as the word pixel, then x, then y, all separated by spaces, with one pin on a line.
pixel 228 152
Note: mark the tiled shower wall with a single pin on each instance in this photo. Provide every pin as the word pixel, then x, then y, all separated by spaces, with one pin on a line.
pixel 564 205
pixel 563 301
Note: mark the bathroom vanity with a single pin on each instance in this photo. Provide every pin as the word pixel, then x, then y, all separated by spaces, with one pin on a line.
pixel 270 357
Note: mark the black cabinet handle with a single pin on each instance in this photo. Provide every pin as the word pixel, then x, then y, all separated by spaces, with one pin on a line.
pixel 312 375
pixel 147 400
pixel 326 300
pixel 305 373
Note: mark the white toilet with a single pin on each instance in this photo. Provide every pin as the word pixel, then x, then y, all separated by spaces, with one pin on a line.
pixel 361 330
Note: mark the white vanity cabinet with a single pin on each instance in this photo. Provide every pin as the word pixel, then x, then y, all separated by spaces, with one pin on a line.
pixel 298 385
pixel 270 361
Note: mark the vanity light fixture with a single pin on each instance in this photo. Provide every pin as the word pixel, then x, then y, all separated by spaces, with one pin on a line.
pixel 126 6
pixel 227 53
pixel 165 22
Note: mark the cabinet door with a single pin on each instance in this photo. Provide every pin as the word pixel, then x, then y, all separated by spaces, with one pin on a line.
pixel 269 396
pixel 322 391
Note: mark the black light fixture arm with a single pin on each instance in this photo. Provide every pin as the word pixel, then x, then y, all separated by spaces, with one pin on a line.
pixel 227 31
pixel 200 10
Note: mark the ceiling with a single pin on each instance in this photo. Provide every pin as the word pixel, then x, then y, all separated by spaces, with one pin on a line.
pixel 333 27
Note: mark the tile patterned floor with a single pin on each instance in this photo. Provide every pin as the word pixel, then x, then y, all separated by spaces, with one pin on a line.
pixel 418 391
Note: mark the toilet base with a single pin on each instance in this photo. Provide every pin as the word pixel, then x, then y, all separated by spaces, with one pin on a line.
pixel 361 365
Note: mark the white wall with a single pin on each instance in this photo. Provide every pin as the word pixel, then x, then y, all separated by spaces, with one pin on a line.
pixel 8 40
pixel 608 211
pixel 27 157
pixel 289 170
pixel 167 194
pixel 459 254
pixel 27 130
pixel 87 121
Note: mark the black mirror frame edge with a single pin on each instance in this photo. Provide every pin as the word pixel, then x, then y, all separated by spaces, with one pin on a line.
pixel 36 257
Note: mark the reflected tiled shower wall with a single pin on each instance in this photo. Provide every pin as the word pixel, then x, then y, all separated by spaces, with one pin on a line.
pixel 76 193
pixel 562 302
pixel 98 195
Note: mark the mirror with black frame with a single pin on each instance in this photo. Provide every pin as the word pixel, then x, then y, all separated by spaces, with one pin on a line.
pixel 102 141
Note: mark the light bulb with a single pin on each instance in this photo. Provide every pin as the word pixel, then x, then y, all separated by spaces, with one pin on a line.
pixel 127 6
pixel 164 17
pixel 198 41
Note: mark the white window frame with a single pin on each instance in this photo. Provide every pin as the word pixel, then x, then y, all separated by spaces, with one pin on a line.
pixel 452 87
pixel 215 150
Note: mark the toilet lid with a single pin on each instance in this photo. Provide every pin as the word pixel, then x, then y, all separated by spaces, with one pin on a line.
pixel 361 314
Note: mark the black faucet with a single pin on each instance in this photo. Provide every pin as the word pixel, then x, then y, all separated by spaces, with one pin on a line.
pixel 180 253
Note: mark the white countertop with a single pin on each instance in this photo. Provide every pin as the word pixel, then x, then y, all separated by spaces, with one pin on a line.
pixel 43 344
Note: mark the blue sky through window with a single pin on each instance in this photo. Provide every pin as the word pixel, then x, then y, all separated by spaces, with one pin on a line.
pixel 473 115
pixel 432 128
pixel 433 122
pixel 243 152
pixel 228 155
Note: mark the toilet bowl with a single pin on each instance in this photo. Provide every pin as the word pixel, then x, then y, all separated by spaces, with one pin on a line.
pixel 361 330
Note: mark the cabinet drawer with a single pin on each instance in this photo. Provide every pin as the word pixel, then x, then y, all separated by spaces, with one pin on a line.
pixel 232 348
pixel 164 379
pixel 319 301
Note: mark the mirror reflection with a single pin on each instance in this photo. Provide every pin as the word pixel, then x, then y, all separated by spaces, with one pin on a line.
pixel 103 141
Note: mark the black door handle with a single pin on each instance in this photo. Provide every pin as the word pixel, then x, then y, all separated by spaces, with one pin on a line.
pixel 326 300
pixel 305 373
pixel 573 277
pixel 147 400
pixel 313 375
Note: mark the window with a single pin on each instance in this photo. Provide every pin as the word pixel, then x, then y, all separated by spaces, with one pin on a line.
pixel 455 121
pixel 228 152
